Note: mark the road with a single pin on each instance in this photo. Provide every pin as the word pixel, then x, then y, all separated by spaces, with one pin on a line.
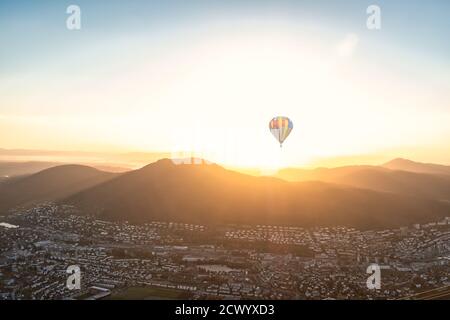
pixel 442 293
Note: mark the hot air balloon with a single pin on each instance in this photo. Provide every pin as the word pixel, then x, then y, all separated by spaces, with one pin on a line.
pixel 281 127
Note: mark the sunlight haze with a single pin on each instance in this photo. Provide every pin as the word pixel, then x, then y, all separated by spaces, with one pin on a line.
pixel 210 82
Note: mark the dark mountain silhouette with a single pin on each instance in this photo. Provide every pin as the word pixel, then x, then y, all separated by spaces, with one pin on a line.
pixel 210 194
pixel 50 184
pixel 408 165
pixel 377 178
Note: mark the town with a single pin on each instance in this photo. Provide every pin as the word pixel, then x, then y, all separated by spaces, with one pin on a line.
pixel 168 260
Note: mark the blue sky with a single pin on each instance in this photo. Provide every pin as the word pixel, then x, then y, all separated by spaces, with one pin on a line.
pixel 38 27
pixel 30 28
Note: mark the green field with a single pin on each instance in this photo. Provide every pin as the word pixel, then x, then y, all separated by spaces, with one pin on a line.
pixel 148 293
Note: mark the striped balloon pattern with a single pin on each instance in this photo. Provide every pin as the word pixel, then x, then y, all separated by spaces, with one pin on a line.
pixel 281 127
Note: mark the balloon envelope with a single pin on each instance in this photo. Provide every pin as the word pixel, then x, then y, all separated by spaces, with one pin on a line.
pixel 281 127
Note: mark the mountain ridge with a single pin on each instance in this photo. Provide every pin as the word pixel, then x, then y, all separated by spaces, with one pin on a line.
pixel 212 194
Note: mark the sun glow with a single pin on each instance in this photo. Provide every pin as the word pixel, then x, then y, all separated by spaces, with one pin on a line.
pixel 214 94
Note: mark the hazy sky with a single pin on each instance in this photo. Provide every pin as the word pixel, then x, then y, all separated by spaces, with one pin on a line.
pixel 209 76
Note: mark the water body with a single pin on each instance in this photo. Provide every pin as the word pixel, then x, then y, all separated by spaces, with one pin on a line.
pixel 8 225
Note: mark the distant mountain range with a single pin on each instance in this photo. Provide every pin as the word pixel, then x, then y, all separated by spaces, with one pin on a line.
pixel 408 165
pixel 397 176
pixel 359 196
pixel 22 161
